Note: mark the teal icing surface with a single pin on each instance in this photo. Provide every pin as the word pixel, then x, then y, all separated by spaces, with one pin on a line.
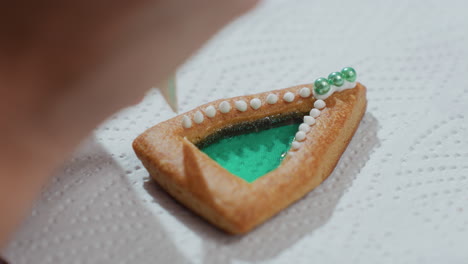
pixel 253 154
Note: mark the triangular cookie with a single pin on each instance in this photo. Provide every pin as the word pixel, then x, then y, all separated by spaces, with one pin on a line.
pixel 168 151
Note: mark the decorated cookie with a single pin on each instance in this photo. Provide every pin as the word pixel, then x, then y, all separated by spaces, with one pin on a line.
pixel 239 161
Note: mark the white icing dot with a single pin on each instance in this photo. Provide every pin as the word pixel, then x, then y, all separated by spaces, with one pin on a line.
pixel 272 99
pixel 304 92
pixel 319 104
pixel 309 120
pixel 198 117
pixel 295 145
pixel 304 127
pixel 210 111
pixel 186 122
pixel 288 97
pixel 224 107
pixel 314 112
pixel 255 103
pixel 241 105
pixel 300 136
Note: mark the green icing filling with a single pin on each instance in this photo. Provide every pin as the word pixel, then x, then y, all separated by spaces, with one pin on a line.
pixel 251 150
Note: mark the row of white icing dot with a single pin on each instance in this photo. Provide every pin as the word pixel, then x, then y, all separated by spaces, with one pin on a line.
pixel 225 107
pixel 308 122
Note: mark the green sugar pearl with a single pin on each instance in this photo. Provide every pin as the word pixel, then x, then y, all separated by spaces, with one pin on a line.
pixel 321 86
pixel 349 74
pixel 336 78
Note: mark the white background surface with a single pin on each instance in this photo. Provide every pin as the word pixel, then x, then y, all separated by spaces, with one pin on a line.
pixel 398 195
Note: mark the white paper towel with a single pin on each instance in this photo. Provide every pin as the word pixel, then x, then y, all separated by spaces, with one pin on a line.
pixel 398 195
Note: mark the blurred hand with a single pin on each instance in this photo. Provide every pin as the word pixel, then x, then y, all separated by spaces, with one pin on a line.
pixel 67 65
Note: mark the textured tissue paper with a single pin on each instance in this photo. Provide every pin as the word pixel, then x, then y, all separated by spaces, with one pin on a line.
pixel 398 194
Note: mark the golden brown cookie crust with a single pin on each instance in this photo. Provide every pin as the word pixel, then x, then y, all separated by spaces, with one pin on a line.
pixel 227 201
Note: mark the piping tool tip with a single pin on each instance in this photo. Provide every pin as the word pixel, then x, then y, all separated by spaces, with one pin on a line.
pixel 169 91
